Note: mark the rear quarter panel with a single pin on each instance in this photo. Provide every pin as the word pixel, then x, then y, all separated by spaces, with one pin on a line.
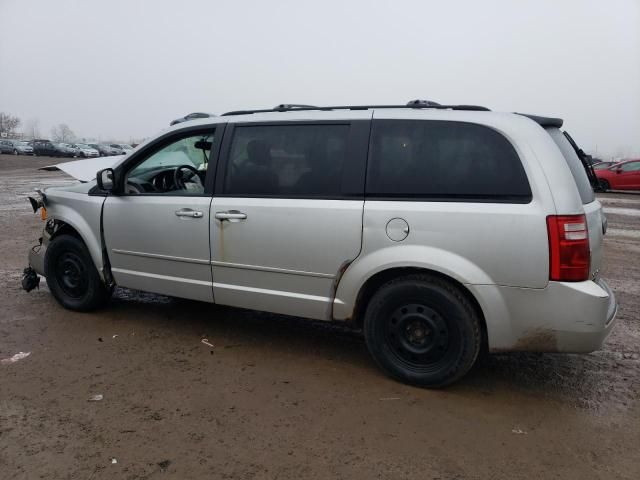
pixel 472 242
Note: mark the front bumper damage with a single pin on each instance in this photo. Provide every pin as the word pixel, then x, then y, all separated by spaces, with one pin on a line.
pixel 30 278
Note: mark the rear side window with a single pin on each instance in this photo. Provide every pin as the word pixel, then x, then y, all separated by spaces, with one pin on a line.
pixel 444 161
pixel 287 161
pixel 575 165
pixel 630 167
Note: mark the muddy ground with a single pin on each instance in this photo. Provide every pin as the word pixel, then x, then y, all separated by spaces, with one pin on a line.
pixel 287 398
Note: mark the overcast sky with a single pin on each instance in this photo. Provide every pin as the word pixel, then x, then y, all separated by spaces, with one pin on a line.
pixel 125 68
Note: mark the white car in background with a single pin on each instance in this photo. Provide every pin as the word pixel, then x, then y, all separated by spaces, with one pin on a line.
pixel 121 148
pixel 85 151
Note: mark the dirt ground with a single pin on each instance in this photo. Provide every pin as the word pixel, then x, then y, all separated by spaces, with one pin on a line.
pixel 287 398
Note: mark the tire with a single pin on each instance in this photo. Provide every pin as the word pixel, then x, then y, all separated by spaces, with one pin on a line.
pixel 15 152
pixel 422 330
pixel 72 276
pixel 604 185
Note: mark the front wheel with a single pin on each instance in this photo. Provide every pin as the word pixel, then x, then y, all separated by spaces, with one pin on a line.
pixel 604 185
pixel 15 152
pixel 72 276
pixel 422 330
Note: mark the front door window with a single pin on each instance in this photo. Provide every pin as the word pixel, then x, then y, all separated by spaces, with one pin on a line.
pixel 178 168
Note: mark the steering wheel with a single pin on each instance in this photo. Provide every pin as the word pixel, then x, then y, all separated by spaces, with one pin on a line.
pixel 180 179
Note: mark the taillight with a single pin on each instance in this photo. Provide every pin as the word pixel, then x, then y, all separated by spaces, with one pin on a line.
pixel 569 255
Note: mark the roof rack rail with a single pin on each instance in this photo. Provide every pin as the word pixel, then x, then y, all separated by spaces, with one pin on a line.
pixel 191 116
pixel 289 108
pixel 292 106
pixel 422 103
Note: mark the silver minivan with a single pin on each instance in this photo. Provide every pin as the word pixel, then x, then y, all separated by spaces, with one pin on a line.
pixel 439 230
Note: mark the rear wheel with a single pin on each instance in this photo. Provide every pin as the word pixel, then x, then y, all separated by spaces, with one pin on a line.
pixel 422 330
pixel 72 276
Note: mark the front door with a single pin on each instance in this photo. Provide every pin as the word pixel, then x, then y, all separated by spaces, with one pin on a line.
pixel 157 230
pixel 287 214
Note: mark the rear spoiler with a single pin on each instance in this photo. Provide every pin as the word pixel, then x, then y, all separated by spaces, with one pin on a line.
pixel 543 121
pixel 584 158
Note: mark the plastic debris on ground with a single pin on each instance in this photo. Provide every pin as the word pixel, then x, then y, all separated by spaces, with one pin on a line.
pixel 15 358
pixel 96 398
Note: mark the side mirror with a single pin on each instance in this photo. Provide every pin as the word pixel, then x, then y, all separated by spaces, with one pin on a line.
pixel 619 170
pixel 105 179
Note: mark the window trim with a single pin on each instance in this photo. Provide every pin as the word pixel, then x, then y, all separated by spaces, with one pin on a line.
pixel 355 160
pixel 158 144
pixel 454 198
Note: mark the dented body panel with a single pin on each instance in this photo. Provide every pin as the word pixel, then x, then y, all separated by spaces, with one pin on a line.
pixel 73 206
pixel 286 255
pixel 562 317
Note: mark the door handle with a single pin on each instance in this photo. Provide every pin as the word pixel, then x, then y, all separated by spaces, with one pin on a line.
pixel 231 215
pixel 187 212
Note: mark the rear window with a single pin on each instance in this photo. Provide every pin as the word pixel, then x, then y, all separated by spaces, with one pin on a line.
pixel 575 165
pixel 444 161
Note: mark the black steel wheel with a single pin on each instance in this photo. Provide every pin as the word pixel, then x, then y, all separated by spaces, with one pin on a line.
pixel 72 276
pixel 423 330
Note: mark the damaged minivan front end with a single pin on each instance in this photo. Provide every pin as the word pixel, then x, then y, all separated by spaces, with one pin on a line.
pixel 66 210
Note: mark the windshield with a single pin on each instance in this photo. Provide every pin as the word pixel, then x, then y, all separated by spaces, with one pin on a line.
pixel 23 144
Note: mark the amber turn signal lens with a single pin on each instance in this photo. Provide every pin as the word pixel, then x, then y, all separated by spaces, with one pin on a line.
pixel 43 214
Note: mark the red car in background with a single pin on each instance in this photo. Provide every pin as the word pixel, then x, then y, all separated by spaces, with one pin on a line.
pixel 622 176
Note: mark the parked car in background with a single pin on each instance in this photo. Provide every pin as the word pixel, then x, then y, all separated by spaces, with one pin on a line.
pixel 121 148
pixel 45 148
pixel 16 147
pixel 66 150
pixel 621 176
pixel 604 164
pixel 103 150
pixel 85 151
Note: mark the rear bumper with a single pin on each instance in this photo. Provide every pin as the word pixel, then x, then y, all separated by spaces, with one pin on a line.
pixel 571 317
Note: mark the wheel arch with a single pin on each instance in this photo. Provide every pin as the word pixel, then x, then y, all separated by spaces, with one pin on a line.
pixel 81 230
pixel 377 280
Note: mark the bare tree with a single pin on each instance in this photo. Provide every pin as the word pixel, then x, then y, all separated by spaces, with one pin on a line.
pixel 62 133
pixel 8 123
